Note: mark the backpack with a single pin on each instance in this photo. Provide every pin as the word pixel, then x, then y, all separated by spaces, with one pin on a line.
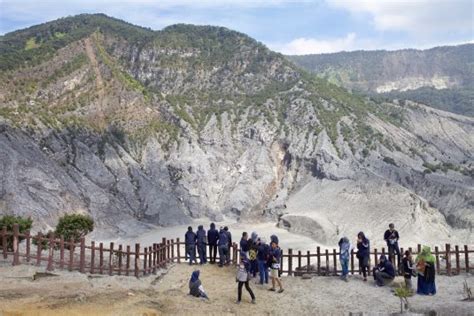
pixel 242 275
pixel 252 254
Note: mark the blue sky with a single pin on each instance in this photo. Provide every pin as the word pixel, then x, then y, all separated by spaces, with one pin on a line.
pixel 287 26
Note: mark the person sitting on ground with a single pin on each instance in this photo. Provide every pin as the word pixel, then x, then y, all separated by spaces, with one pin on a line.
pixel 190 245
pixel 244 245
pixel 212 238
pixel 201 244
pixel 262 257
pixel 391 237
pixel 243 277
pixel 253 249
pixel 384 272
pixel 229 238
pixel 195 287
pixel 363 253
pixel 275 254
pixel 344 255
pixel 223 245
pixel 425 265
pixel 409 269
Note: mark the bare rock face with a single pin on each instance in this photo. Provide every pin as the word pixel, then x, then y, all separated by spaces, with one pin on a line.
pixel 174 130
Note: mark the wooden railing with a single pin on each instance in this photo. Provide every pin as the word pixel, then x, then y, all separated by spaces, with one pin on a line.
pixel 96 258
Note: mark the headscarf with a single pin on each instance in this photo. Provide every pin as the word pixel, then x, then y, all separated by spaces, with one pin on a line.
pixel 213 226
pixel 254 236
pixel 426 255
pixel 194 276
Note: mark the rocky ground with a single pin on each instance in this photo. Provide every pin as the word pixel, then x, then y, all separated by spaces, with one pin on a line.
pixel 166 294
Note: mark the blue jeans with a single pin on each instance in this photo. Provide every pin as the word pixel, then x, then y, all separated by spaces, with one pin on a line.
pixel 345 267
pixel 191 253
pixel 223 254
pixel 253 267
pixel 263 271
pixel 202 253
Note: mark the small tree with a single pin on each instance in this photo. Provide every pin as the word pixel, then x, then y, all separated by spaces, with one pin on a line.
pixel 403 293
pixel 74 226
pixel 8 221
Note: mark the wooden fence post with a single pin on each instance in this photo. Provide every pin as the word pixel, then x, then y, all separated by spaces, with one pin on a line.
pixel 28 245
pixel 280 272
pixel 466 258
pixel 71 253
pixel 82 258
pixel 448 259
pixel 418 249
pixel 4 242
pixel 111 259
pixel 155 256
pixel 145 260
pixel 101 258
pixel 318 259
pixel 16 244
pixel 137 256
pixel 178 250
pixel 334 258
pixel 150 259
pixel 61 252
pixel 172 251
pixel 327 261
pixel 120 254
pixel 352 261
pixel 92 256
pixel 51 243
pixel 437 260
pixel 376 259
pixel 163 251
pixel 290 262
pixel 39 248
pixel 127 265
pixel 299 261
pixel 308 262
pixel 458 261
pixel 168 251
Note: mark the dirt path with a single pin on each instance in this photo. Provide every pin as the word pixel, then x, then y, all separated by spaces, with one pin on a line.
pixel 95 66
pixel 77 294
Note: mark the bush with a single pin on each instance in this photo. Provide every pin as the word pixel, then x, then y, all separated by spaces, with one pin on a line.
pixel 8 221
pixel 389 160
pixel 74 226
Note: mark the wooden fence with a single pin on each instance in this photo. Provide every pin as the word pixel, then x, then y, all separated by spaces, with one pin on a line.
pixel 96 258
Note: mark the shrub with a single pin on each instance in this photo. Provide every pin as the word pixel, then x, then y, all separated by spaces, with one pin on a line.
pixel 389 160
pixel 8 221
pixel 74 226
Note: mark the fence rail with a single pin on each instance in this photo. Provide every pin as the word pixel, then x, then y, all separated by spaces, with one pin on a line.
pixel 96 258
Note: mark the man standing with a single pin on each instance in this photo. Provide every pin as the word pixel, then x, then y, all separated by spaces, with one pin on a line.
pixel 223 245
pixel 201 244
pixel 391 237
pixel 229 238
pixel 275 267
pixel 212 238
pixel 190 242
pixel 244 245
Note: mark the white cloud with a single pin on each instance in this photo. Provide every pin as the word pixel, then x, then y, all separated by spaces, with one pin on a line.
pixel 302 46
pixel 420 17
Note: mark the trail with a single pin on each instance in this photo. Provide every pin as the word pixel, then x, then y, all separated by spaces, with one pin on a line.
pixel 95 66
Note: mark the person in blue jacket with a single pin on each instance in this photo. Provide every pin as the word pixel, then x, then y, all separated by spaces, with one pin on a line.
pixel 190 244
pixel 384 272
pixel 223 245
pixel 229 242
pixel 363 253
pixel 201 244
pixel 244 245
pixel 212 238
pixel 263 253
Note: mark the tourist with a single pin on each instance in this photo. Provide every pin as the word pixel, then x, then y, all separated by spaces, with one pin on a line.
pixel 344 254
pixel 425 265
pixel 263 252
pixel 384 272
pixel 223 245
pixel 391 238
pixel 195 287
pixel 190 242
pixel 244 245
pixel 253 249
pixel 409 269
pixel 243 277
pixel 363 253
pixel 212 238
pixel 274 238
pixel 229 238
pixel 201 244
pixel 275 254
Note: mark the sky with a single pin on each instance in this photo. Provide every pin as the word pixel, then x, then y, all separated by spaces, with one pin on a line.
pixel 287 26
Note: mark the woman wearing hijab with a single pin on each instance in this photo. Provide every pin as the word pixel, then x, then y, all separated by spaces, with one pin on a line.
pixel 363 253
pixel 195 287
pixel 344 255
pixel 425 265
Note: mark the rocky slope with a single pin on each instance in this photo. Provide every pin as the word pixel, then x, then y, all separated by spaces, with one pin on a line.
pixel 139 128
pixel 441 77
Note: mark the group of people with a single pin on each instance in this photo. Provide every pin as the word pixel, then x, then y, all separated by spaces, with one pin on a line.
pixel 256 257
pixel 384 272
pixel 259 257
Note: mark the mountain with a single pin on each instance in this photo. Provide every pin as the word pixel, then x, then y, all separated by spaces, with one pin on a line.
pixel 442 77
pixel 140 128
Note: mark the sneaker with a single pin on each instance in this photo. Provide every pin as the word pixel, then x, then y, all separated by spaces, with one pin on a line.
pixel 254 301
pixel 272 289
pixel 237 302
pixel 365 279
pixel 280 290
